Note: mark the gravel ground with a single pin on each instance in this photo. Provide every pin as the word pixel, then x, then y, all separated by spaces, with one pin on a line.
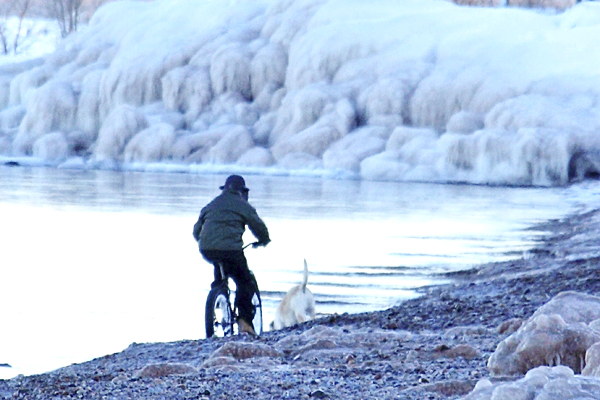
pixel 432 347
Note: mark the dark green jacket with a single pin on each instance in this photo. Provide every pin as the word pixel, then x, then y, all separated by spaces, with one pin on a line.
pixel 223 221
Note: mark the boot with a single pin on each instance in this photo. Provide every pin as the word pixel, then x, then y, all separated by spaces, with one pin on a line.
pixel 245 327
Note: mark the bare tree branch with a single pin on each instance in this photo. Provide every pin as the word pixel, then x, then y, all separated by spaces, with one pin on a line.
pixel 66 13
pixel 3 38
pixel 9 9
pixel 22 10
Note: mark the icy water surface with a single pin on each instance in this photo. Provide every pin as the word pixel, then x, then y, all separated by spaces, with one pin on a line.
pixel 95 260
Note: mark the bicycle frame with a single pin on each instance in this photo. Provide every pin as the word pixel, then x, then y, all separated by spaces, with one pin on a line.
pixel 219 298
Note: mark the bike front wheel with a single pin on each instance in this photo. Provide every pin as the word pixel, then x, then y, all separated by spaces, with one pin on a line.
pixel 257 321
pixel 218 317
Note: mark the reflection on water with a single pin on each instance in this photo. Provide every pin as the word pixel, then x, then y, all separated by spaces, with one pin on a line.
pixel 96 260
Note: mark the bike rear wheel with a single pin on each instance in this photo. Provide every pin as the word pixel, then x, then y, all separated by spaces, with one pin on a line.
pixel 218 317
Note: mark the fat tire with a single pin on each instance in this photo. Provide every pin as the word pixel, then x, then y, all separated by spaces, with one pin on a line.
pixel 257 321
pixel 217 298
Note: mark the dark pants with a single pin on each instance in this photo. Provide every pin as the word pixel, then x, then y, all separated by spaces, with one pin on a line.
pixel 236 267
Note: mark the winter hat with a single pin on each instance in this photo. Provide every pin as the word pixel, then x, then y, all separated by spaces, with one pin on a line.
pixel 235 182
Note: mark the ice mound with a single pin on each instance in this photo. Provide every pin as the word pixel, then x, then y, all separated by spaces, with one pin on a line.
pixel 541 383
pixel 340 339
pixel 556 4
pixel 558 333
pixel 421 90
pixel 165 369
pixel 592 358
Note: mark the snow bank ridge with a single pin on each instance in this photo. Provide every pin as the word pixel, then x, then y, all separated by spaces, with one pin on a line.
pixel 414 90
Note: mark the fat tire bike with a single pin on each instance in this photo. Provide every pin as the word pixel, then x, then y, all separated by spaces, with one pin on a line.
pixel 220 316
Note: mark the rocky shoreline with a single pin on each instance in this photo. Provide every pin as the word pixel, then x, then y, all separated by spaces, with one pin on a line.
pixel 433 347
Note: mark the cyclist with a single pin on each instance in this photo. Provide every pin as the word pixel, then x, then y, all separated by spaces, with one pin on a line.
pixel 219 231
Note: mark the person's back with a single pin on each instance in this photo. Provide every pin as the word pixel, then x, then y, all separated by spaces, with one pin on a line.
pixel 223 222
pixel 219 232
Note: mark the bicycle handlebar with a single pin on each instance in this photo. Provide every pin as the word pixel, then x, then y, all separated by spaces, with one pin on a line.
pixel 254 245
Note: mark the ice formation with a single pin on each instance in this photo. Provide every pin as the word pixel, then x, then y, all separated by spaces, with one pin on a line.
pixel 541 383
pixel 592 358
pixel 384 90
pixel 559 333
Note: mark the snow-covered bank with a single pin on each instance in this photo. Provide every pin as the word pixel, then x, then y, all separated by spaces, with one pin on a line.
pixel 390 90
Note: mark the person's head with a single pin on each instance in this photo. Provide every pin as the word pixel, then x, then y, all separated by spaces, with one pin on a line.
pixel 236 183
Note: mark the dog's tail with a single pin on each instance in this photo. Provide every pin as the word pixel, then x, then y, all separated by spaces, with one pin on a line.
pixel 305 280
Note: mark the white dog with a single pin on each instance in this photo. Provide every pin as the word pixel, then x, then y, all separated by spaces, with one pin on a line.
pixel 297 306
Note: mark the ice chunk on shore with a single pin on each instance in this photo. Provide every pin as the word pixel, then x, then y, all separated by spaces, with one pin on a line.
pixel 558 333
pixel 541 383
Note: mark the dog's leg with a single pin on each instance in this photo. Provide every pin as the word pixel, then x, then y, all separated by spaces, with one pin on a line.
pixel 311 311
pixel 305 280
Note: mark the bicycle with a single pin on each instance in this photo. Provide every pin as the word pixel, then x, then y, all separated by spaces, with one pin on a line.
pixel 220 317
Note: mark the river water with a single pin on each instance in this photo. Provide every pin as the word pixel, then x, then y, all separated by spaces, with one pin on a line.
pixel 93 261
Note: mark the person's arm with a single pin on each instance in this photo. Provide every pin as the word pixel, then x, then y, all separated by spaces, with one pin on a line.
pixel 198 226
pixel 257 226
